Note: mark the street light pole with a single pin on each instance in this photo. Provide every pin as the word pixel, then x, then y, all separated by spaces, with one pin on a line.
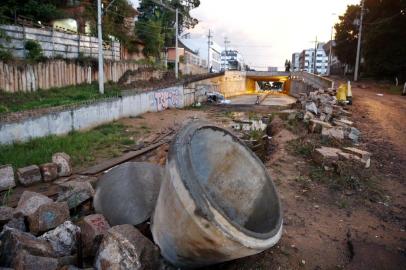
pixel 100 47
pixel 357 60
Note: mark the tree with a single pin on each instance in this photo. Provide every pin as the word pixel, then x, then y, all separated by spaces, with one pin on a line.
pixel 384 46
pixel 347 35
pixel 159 21
pixel 383 39
pixel 37 10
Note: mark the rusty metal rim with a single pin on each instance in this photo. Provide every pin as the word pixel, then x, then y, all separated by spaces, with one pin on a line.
pixel 204 202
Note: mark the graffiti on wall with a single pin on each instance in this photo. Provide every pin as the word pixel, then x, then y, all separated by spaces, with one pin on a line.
pixel 168 98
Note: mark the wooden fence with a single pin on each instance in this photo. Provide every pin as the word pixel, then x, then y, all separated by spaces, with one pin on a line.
pixel 16 77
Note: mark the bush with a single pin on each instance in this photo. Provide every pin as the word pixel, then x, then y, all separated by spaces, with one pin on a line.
pixel 34 51
pixel 5 54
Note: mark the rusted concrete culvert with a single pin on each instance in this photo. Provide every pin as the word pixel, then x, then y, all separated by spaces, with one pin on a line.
pixel 217 203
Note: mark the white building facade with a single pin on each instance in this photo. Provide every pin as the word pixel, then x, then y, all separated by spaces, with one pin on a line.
pixel 232 60
pixel 295 62
pixel 201 47
pixel 308 57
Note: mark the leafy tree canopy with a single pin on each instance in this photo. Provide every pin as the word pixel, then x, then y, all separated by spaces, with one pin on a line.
pixel 38 10
pixel 156 23
pixel 383 40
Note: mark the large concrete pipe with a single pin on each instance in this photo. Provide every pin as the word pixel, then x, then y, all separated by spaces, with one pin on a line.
pixel 127 193
pixel 217 203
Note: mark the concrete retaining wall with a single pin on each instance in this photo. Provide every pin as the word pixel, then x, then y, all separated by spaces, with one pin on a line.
pixel 91 115
pixel 55 43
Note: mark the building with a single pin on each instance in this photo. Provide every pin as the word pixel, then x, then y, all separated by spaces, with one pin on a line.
pixel 232 60
pixel 201 47
pixel 308 57
pixel 295 65
pixel 272 69
pixel 189 60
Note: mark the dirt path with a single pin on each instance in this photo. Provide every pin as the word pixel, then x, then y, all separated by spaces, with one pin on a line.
pixel 382 120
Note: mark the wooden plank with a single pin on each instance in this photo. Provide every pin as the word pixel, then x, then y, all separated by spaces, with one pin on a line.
pixel 116 161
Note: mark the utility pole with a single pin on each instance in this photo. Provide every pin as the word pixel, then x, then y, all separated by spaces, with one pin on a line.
pixel 331 50
pixel 315 56
pixel 100 45
pixel 176 44
pixel 357 60
pixel 209 50
pixel 226 42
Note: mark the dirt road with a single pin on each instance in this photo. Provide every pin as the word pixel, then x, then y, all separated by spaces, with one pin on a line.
pixel 382 119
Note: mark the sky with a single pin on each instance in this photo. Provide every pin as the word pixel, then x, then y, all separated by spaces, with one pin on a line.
pixel 267 32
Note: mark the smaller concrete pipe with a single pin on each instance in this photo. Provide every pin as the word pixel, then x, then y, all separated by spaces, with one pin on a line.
pixel 217 203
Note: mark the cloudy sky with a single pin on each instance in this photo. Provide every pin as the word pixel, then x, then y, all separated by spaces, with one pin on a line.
pixel 268 31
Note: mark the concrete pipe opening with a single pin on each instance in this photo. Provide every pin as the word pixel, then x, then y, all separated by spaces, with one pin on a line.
pixel 219 195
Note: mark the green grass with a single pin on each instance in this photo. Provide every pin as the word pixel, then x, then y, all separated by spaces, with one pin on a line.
pixel 15 102
pixel 104 141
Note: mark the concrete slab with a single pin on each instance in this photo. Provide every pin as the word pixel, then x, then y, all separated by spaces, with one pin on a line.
pixel 278 100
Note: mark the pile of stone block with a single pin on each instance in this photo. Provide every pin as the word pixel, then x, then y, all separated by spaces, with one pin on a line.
pixel 60 166
pixel 329 156
pixel 40 233
pixel 327 117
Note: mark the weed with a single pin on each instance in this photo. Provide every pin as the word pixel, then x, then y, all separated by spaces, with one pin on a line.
pixel 34 51
pixel 301 147
pixel 253 116
pixel 6 196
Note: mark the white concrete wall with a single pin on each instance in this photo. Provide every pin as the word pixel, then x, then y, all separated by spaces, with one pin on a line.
pixel 89 116
pixel 55 43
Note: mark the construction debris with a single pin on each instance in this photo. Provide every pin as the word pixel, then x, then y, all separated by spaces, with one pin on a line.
pixel 63 238
pixel 48 216
pixel 124 247
pixel 63 161
pixel 92 227
pixel 29 175
pixel 6 177
pixel 127 194
pixel 49 171
pixel 30 201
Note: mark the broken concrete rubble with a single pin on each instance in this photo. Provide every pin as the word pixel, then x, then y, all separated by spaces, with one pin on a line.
pixel 29 175
pixel 26 261
pixel 13 241
pixel 354 135
pixel 127 194
pixel 75 193
pixel 6 214
pixel 7 180
pixel 48 216
pixel 49 171
pixel 17 222
pixel 316 126
pixel 124 247
pixel 363 155
pixel 30 201
pixel 311 107
pixel 333 133
pixel 326 155
pixel 92 227
pixel 63 238
pixel 63 161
